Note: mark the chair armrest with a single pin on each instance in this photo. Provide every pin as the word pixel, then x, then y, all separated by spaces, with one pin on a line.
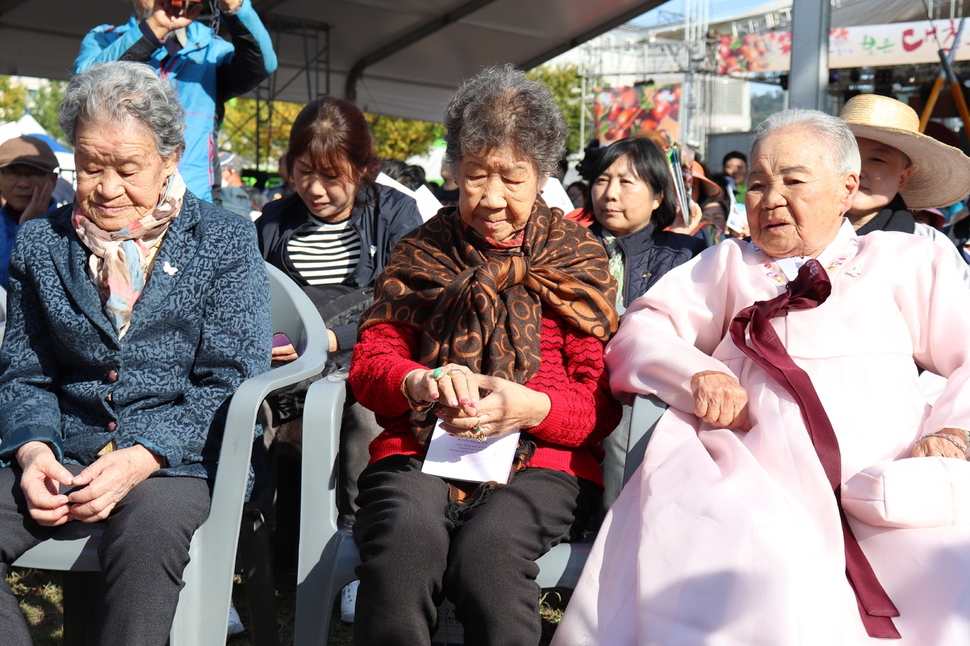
pixel 322 415
pixel 647 411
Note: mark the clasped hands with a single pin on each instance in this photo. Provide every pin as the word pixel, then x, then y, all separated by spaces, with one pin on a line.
pixel 96 490
pixel 463 409
pixel 721 401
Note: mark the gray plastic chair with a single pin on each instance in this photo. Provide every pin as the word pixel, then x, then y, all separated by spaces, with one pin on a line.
pixel 328 554
pixel 203 608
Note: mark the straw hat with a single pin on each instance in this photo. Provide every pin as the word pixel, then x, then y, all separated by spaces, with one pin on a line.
pixel 941 173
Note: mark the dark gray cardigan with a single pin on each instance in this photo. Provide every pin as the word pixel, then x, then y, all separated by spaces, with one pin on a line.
pixel 197 331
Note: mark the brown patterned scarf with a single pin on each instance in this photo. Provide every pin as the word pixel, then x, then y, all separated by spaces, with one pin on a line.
pixel 482 307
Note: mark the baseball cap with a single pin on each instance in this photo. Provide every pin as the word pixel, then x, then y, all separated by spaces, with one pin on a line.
pixel 227 159
pixel 30 151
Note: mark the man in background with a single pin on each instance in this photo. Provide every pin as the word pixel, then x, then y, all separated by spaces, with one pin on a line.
pixel 27 180
pixel 735 167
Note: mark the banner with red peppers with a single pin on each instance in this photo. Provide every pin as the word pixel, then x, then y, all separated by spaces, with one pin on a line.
pixel 622 112
pixel 903 43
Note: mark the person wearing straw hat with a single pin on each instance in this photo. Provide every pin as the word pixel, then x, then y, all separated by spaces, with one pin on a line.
pixel 903 170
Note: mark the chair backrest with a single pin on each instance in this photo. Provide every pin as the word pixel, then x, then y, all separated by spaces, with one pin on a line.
pixel 208 576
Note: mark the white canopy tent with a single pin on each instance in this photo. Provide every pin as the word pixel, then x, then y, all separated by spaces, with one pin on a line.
pixel 395 57
pixel 27 125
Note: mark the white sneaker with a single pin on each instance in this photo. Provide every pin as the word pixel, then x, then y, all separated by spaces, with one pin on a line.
pixel 348 602
pixel 235 623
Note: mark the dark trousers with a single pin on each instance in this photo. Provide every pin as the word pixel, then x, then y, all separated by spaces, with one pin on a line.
pixel 143 552
pixel 412 555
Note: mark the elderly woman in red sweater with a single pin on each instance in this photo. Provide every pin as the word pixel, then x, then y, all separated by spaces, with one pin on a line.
pixel 489 319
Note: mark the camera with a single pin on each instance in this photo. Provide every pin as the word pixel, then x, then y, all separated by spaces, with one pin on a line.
pixel 180 7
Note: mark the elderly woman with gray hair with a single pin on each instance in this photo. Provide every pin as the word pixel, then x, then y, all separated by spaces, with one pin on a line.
pixel 134 315
pixel 489 320
pixel 800 489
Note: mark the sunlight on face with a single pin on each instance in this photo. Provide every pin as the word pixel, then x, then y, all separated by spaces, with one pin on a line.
pixel 120 175
pixel 496 192
pixel 622 202
pixel 796 199
pixel 328 196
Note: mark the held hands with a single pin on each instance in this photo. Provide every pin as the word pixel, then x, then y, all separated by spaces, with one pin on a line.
pixel 109 479
pixel 720 400
pixel 507 406
pixel 948 446
pixel 42 476
pixel 464 413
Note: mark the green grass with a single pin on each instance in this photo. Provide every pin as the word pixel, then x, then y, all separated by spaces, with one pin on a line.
pixel 41 601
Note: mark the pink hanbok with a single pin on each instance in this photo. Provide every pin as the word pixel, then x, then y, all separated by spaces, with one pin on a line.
pixel 729 538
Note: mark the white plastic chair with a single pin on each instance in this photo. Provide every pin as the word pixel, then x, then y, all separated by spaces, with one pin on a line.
pixel 328 554
pixel 203 608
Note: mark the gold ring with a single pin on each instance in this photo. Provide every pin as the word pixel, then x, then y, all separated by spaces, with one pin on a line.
pixel 460 372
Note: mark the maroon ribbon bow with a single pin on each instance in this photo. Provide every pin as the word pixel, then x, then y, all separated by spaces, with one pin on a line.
pixel 808 290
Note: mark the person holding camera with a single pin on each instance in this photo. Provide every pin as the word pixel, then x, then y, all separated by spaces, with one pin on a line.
pixel 206 70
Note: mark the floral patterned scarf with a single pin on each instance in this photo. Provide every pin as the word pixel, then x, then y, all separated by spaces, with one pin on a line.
pixel 121 261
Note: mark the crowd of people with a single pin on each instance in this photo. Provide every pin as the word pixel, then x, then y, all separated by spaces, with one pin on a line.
pixel 804 486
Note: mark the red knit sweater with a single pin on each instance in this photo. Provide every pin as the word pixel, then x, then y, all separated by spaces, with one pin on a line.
pixel 571 373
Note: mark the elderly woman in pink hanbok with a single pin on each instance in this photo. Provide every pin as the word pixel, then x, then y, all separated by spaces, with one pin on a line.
pixel 800 489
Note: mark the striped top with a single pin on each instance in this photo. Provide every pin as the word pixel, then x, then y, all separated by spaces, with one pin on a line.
pixel 324 253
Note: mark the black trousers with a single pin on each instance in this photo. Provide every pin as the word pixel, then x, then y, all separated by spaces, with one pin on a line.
pixel 412 555
pixel 143 552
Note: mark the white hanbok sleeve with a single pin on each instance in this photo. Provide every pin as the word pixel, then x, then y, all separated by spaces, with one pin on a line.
pixel 668 334
pixel 935 303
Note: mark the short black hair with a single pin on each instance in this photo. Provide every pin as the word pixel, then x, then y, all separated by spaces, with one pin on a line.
pixel 651 166
pixel 734 154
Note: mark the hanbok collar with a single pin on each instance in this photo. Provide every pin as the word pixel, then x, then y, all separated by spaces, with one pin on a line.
pixel 783 270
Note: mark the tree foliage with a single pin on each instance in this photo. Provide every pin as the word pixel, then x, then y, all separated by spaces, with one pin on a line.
pixel 14 99
pixel 239 130
pixel 46 106
pixel 566 84
pixel 396 138
pixel 765 105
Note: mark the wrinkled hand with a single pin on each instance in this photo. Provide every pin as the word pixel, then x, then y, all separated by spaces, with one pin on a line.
pixel 39 202
pixel 720 400
pixel 930 446
pixel 457 387
pixel 108 480
pixel 507 406
pixel 42 474
pixel 285 353
pixel 162 23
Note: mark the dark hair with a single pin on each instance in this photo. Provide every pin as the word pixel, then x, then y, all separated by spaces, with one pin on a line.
pixel 734 154
pixel 720 201
pixel 411 176
pixel 335 134
pixel 650 166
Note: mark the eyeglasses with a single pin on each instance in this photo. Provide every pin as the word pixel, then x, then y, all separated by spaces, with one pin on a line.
pixel 27 172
